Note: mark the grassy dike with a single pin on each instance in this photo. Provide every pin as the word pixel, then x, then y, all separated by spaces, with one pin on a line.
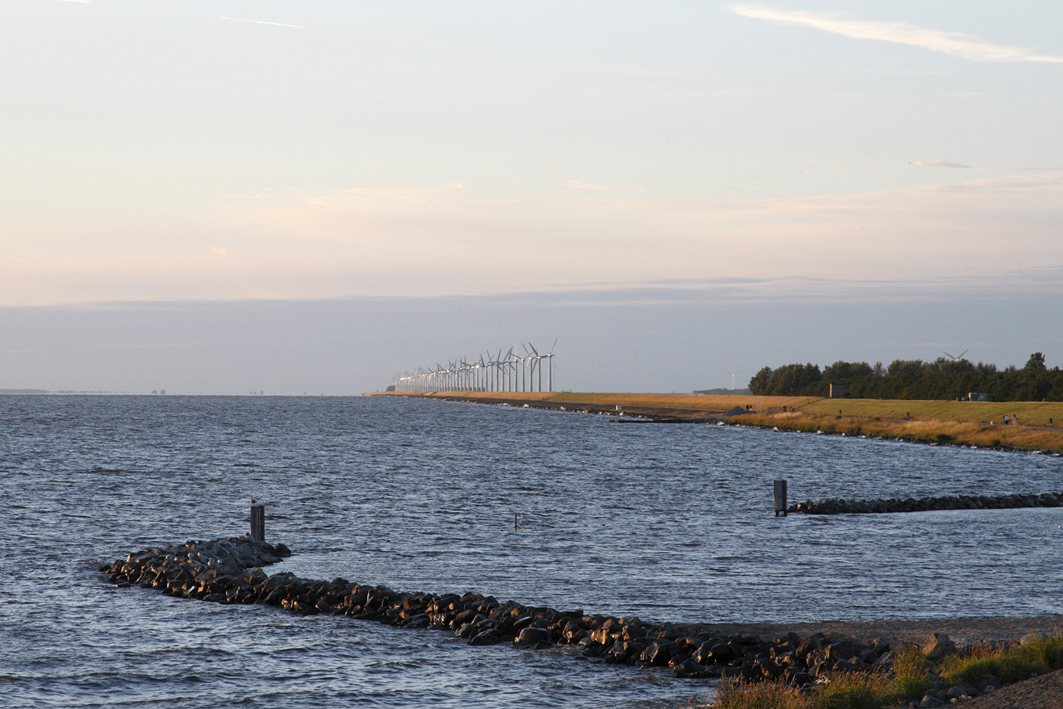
pixel 960 422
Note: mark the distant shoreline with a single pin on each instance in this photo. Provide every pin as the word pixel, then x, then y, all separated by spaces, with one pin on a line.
pixel 978 424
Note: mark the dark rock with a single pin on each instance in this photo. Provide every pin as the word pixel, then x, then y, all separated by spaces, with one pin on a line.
pixel 812 642
pixel 573 635
pixel 468 631
pixel 939 647
pixel 466 616
pixel 522 622
pixel 767 667
pixel 532 636
pixel 419 620
pixel 842 650
pixel 691 668
pixel 659 652
pixel 623 651
pixel 488 637
pixel 721 653
pixel 589 648
pixel 303 607
pixel 703 655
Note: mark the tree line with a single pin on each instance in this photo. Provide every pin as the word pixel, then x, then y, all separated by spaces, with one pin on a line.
pixel 915 379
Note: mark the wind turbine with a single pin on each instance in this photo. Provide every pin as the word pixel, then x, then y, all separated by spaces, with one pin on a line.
pixel 523 371
pixel 957 359
pixel 522 384
pixel 536 363
pixel 492 372
pixel 550 365
pixel 509 371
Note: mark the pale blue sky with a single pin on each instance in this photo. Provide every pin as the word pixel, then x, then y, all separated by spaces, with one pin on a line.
pixel 225 151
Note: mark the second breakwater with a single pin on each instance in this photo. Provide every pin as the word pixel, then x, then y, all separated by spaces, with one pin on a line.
pixel 928 504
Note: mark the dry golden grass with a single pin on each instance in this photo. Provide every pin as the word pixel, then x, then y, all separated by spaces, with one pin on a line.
pixel 914 429
pixel 979 423
pixel 1032 413
pixel 764 695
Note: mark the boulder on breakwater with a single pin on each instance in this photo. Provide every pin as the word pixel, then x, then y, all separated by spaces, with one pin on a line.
pixel 229 571
pixel 958 502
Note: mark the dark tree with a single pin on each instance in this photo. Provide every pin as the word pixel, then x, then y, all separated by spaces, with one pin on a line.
pixel 759 383
pixel 915 379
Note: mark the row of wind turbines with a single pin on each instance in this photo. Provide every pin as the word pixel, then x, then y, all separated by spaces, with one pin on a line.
pixel 509 372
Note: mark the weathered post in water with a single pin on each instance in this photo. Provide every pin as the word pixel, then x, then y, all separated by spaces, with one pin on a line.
pixel 780 497
pixel 258 521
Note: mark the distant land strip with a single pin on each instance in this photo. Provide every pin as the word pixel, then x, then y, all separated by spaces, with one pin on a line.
pixel 981 424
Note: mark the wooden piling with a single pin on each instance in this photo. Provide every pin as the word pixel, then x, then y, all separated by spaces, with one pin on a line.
pixel 780 497
pixel 258 521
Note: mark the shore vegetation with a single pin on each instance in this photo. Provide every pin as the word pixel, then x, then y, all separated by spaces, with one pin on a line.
pixel 1040 424
pixel 913 676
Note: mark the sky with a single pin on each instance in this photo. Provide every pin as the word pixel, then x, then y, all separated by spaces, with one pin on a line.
pixel 294 197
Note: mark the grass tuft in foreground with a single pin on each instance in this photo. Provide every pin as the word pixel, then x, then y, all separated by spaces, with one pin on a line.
pixel 1035 656
pixel 764 695
pixel 913 676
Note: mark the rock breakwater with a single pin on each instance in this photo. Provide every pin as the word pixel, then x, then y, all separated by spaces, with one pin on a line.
pixel 229 571
pixel 925 504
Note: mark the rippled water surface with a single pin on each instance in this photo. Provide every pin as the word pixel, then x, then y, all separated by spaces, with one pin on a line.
pixel 663 522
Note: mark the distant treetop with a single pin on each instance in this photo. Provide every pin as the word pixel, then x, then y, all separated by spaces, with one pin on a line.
pixel 914 379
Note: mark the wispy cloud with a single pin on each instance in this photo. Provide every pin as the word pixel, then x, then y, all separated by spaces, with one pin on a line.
pixel 577 185
pixel 1020 168
pixel 954 44
pixel 258 22
pixel 941 163
pixel 445 241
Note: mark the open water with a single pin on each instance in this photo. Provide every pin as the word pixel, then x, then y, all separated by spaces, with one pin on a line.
pixel 666 522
